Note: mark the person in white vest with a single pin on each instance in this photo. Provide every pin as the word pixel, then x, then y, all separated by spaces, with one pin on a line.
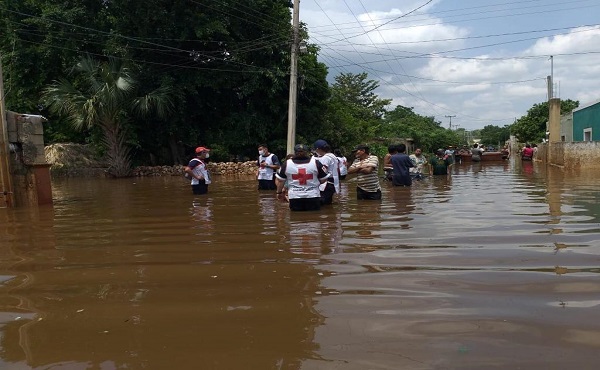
pixel 343 163
pixel 268 164
pixel 332 166
pixel 198 171
pixel 304 174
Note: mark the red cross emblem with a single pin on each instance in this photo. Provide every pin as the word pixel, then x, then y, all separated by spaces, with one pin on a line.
pixel 302 176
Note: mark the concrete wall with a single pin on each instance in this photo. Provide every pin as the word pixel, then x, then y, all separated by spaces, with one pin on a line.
pixel 566 127
pixel 575 155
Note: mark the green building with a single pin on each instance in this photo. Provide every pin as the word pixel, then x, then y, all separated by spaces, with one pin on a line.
pixel 586 122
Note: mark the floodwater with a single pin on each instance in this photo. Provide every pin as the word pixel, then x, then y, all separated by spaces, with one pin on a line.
pixel 496 268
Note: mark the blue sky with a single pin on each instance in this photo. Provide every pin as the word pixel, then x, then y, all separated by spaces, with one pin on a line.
pixel 483 62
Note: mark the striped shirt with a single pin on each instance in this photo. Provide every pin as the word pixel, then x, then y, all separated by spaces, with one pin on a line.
pixel 368 182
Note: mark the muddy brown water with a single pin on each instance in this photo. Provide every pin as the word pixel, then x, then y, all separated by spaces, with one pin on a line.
pixel 496 268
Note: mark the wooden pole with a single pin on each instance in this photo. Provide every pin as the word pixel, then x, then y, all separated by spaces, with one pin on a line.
pixel 5 173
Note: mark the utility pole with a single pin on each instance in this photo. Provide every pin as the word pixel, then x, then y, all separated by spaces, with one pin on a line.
pixel 6 189
pixel 293 97
pixel 551 79
pixel 450 125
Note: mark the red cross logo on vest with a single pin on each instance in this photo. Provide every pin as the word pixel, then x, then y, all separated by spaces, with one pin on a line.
pixel 302 176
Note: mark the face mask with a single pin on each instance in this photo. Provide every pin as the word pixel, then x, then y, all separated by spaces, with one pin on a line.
pixel 261 152
pixel 207 155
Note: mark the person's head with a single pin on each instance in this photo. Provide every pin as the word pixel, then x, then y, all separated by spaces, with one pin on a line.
pixel 534 145
pixel 440 152
pixel 263 149
pixel 401 148
pixel 301 151
pixel 361 151
pixel 202 152
pixel 393 149
pixel 527 146
pixel 418 152
pixel 476 146
pixel 321 147
pixel 338 153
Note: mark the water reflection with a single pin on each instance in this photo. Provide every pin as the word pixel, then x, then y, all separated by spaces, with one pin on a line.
pixel 139 273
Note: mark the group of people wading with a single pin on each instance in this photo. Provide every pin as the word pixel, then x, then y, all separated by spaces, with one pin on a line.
pixel 308 179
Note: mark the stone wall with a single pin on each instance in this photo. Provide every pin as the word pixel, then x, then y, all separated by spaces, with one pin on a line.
pixel 75 160
pixel 222 168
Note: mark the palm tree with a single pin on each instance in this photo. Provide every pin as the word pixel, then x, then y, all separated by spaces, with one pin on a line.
pixel 106 96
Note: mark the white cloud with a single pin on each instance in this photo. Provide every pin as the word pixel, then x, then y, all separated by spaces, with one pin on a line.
pixel 499 84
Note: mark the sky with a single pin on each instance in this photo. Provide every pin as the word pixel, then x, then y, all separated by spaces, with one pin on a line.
pixel 469 63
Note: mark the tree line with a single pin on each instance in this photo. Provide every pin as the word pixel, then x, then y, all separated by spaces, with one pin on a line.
pixel 147 81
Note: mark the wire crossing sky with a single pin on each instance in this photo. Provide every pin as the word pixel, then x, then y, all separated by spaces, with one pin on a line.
pixel 484 61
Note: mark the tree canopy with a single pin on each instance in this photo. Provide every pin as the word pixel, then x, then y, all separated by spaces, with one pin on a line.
pixel 427 133
pixel 494 135
pixel 226 62
pixel 532 126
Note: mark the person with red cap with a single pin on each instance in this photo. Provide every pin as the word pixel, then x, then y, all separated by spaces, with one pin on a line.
pixel 198 171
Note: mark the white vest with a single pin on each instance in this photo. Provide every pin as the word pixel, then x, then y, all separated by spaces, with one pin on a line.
pixel 303 179
pixel 333 164
pixel 343 165
pixel 265 173
pixel 200 171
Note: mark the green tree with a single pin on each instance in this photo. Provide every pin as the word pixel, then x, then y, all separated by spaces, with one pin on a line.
pixel 227 63
pixel 427 133
pixel 494 135
pixel 355 111
pixel 105 95
pixel 532 126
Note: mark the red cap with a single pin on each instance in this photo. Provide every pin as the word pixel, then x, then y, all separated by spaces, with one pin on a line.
pixel 201 149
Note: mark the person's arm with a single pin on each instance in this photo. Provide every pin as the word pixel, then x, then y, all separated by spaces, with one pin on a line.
pixel 280 178
pixel 276 165
pixel 372 163
pixel 354 167
pixel 364 166
pixel 387 161
pixel 322 175
pixel 190 169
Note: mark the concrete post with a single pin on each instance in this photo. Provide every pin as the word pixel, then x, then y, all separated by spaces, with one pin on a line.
pixel 554 120
pixel 553 129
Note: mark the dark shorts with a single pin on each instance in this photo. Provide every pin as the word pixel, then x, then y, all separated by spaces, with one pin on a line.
pixel 361 194
pixel 327 194
pixel 305 204
pixel 266 185
pixel 201 188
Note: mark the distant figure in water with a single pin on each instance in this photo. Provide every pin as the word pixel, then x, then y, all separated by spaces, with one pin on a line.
pixel 476 153
pixel 388 169
pixel 303 174
pixel 401 164
pixel 527 153
pixel 439 164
